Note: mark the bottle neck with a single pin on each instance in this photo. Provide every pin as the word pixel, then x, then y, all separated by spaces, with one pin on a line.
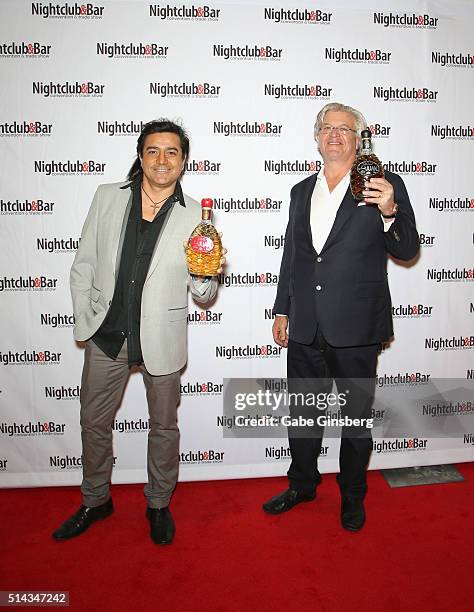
pixel 206 215
pixel 366 146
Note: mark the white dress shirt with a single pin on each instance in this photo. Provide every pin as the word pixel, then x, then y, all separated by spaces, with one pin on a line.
pixel 324 207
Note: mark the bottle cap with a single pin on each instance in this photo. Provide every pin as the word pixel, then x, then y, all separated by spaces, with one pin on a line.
pixel 366 133
pixel 207 203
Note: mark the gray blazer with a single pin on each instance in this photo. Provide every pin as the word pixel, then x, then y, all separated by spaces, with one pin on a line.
pixel 164 308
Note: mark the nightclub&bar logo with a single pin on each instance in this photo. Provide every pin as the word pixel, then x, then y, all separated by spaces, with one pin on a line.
pixel 201 12
pixel 28 283
pixel 24 49
pixel 297 15
pixel 402 378
pixel 68 462
pixel 452 60
pixel 203 167
pixel 69 167
pixel 405 94
pixel 247 205
pixel 248 52
pixel 444 275
pixel 65 462
pixel 419 168
pixel 266 351
pixel 254 128
pixel 32 357
pixel 120 128
pixel 459 204
pixel 469 439
pixel 68 89
pixel 57 245
pixel 274 242
pixel 406 20
pixel 427 241
pixel 204 317
pixel 380 131
pixel 299 91
pixel 131 50
pixel 447 409
pixel 283 452
pixel 449 344
pixel 26 207
pixel 249 279
pixel 62 393
pixel 67 10
pixel 26 128
pixel 57 320
pixel 291 166
pixel 208 387
pixel 131 425
pixel 357 56
pixel 411 311
pixel 200 456
pixel 451 132
pixel 399 445
pixel 47 428
pixel 185 90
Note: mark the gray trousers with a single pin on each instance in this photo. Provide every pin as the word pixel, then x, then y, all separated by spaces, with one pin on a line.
pixel 103 384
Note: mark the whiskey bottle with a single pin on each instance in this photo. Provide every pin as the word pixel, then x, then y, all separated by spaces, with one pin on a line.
pixel 366 165
pixel 204 249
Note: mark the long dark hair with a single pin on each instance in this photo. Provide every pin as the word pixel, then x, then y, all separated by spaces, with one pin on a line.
pixel 153 127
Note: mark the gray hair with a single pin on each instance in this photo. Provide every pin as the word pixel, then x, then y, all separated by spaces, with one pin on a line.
pixel 359 118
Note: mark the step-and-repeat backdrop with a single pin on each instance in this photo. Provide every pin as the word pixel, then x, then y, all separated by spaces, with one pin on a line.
pixel 247 80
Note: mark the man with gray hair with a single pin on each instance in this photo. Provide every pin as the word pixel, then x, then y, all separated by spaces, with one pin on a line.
pixel 333 307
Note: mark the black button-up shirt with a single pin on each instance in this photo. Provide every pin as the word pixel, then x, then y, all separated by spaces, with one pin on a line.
pixel 123 318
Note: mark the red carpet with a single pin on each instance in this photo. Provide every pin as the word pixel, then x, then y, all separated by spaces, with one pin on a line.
pixel 414 553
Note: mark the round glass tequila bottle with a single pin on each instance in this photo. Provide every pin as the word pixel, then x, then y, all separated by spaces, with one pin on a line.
pixel 204 249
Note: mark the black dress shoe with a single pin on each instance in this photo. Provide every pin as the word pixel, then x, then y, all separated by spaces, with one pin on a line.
pixel 286 500
pixel 352 513
pixel 162 527
pixel 82 520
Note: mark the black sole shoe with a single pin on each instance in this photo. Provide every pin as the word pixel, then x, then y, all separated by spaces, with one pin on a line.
pixel 162 527
pixel 352 514
pixel 82 520
pixel 286 501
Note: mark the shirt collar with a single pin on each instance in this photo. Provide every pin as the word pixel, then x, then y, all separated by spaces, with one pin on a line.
pixel 177 196
pixel 321 179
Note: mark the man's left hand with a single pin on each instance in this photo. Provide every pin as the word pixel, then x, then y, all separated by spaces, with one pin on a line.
pixel 379 191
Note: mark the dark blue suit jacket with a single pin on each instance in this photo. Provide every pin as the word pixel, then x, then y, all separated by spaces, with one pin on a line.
pixel 344 288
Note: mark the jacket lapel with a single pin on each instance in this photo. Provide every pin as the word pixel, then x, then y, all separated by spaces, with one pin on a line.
pixel 163 238
pixel 118 225
pixel 306 198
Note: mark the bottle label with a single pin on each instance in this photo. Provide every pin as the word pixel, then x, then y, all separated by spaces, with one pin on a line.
pixel 201 244
pixel 367 168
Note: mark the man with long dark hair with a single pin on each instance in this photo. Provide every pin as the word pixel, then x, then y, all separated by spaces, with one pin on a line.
pixel 129 283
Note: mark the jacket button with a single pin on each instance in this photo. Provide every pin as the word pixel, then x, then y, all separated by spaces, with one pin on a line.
pixel 318 287
pixel 319 259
